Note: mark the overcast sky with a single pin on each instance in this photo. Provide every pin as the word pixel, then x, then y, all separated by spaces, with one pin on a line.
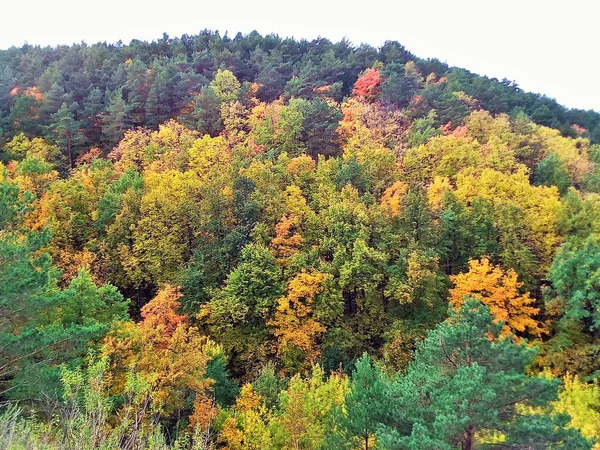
pixel 546 46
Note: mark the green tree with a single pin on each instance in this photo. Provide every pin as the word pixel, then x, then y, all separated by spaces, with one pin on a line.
pixel 226 86
pixel 206 115
pixel 67 132
pixel 465 389
pixel 552 172
pixel 366 405
pixel 575 276
pixel 319 127
pixel 115 120
pixel 43 326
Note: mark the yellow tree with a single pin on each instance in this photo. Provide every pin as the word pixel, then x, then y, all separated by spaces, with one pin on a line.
pixel 249 427
pixel 392 197
pixel 499 291
pixel 287 240
pixel 306 407
pixel 539 208
pixel 294 326
pixel 166 232
pixel 209 154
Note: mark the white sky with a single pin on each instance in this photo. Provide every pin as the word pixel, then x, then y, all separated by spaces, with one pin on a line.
pixel 546 46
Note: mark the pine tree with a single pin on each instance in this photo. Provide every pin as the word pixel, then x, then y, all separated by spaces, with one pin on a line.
pixel 366 405
pixel 465 390
pixel 116 119
pixel 41 325
pixel 90 116
pixel 67 132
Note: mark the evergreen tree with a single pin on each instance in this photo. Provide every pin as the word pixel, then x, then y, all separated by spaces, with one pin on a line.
pixel 42 326
pixel 158 101
pixel 91 120
pixel 206 115
pixel 53 100
pixel 137 90
pixel 67 132
pixel 116 119
pixel 467 388
pixel 366 405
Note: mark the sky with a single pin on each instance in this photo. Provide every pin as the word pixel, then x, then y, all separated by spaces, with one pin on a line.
pixel 546 46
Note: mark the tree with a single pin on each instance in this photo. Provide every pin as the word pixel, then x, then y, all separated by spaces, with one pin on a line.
pixel 43 325
pixel 306 406
pixel 67 132
pixel 52 101
pixel 251 425
pixel 294 326
pixel 24 114
pixel 159 361
pixel 137 88
pixel 582 402
pixel 165 233
pixel 399 86
pixel 160 96
pixel 499 291
pixel 575 276
pixel 226 86
pixel 551 172
pixel 463 390
pixel 526 216
pixel 319 126
pixel 116 118
pixel 367 84
pixel 206 117
pixel 287 240
pixel 365 406
pixel 238 312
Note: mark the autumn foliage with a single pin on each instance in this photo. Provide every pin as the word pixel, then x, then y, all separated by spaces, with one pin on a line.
pixel 159 359
pixel 294 323
pixel 367 85
pixel 258 243
pixel 500 291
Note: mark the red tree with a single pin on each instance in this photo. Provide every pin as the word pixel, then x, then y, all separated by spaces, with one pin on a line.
pixel 366 85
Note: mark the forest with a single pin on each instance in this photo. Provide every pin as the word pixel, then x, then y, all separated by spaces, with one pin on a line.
pixel 251 243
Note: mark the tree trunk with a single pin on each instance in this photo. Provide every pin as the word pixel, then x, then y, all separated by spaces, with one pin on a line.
pixel 468 436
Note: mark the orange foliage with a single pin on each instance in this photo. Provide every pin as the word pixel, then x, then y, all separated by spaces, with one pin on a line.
pixel 35 93
pixel 70 261
pixel 89 156
pixel 578 129
pixel 458 132
pixel 167 353
pixel 204 412
pixel 160 313
pixel 301 165
pixel 416 102
pixel 287 241
pixel 498 290
pixel 322 89
pixel 367 85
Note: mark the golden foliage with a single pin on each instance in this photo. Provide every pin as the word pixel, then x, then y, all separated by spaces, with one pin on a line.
pixel 437 190
pixel 287 240
pixel 392 198
pixel 293 323
pixel 498 290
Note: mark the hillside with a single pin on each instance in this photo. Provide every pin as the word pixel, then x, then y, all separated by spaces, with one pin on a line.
pixel 258 243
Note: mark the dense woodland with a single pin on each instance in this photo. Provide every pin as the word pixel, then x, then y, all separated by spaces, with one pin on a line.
pixel 263 243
